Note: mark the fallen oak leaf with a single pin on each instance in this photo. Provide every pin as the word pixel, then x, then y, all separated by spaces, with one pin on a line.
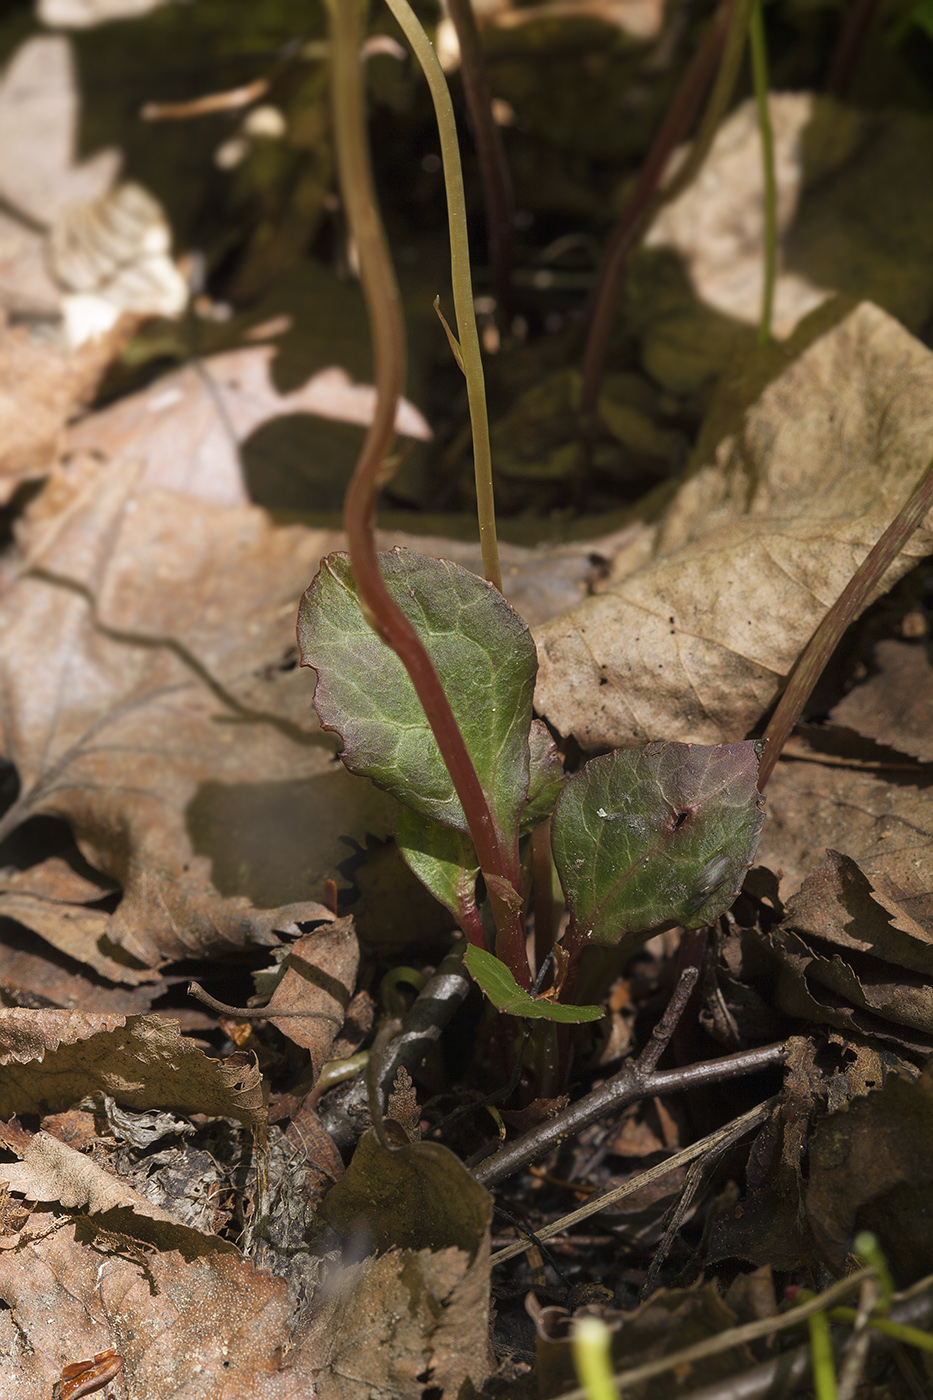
pixel 169 631
pixel 184 429
pixel 766 529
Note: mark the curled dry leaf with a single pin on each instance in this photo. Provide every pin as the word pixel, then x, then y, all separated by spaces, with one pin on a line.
pixel 147 696
pixel 419 1312
pixel 53 1059
pixel 318 977
pixel 52 1172
pixel 853 957
pixel 781 503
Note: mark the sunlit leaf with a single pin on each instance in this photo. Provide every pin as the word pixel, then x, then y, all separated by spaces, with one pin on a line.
pixel 483 653
pixel 443 859
pixel 504 992
pixel 656 836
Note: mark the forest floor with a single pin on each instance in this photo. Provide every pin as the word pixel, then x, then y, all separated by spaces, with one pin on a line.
pixel 188 1207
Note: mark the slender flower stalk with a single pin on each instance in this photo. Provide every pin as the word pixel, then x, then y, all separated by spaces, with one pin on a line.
pixel 725 37
pixel 377 275
pixel 461 282
pixel 756 30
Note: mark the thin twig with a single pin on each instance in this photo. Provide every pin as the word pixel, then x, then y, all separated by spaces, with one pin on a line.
pixel 624 1088
pixel 847 48
pixel 252 1013
pixel 725 36
pixel 745 1124
pixel 733 1337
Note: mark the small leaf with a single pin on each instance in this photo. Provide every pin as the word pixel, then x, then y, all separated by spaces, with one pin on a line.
pixel 444 860
pixel 654 836
pixel 483 653
pixel 504 992
pixel 546 777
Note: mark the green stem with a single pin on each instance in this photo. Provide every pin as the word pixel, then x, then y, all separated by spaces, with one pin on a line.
pixel 592 1358
pixel 821 1355
pixel 498 858
pixel 759 49
pixel 910 1336
pixel 461 282
pixel 846 609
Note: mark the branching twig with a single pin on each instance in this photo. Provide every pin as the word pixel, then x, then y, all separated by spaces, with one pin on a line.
pixel 738 1127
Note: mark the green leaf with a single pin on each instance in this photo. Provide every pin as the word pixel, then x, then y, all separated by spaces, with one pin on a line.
pixel 546 777
pixel 483 653
pixel 504 992
pixel 444 860
pixel 655 836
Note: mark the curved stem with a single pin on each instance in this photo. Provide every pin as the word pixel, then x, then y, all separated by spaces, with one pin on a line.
pixel 846 609
pixel 499 863
pixel 760 73
pixel 461 282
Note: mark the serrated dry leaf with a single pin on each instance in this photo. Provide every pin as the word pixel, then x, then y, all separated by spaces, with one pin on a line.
pixel 184 429
pixel 767 528
pixel 54 1173
pixel 147 696
pixel 53 1059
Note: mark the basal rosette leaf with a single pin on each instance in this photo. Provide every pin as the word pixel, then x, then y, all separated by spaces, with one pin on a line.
pixel 546 777
pixel 656 836
pixel 483 653
pixel 506 995
pixel 443 859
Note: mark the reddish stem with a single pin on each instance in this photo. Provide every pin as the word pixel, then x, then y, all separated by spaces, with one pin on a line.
pixel 847 48
pixel 640 210
pixel 377 275
pixel 846 609
pixel 493 166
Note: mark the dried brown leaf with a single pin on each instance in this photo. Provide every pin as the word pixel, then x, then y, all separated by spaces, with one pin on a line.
pixel 185 428
pixel 148 698
pixel 403 1321
pixel 894 706
pixel 777 510
pixel 54 1059
pixel 882 820
pixel 52 1172
pixel 871 1167
pixel 210 1328
pixel 40 389
pixel 319 976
